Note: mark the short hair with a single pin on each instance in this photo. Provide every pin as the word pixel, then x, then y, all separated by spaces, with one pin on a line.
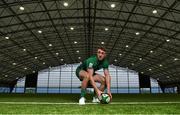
pixel 102 48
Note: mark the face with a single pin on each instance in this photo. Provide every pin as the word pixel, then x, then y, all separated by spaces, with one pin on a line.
pixel 101 54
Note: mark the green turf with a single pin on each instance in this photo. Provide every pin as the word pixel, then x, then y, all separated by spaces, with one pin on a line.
pixel 160 108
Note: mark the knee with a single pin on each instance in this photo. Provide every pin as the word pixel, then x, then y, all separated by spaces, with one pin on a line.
pixel 103 82
pixel 87 77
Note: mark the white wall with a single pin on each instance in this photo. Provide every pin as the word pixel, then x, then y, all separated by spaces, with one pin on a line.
pixel 63 79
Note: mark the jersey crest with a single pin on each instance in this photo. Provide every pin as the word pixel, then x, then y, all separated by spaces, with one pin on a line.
pixel 90 65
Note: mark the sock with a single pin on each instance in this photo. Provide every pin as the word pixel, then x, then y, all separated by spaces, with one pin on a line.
pixel 83 92
pixel 94 94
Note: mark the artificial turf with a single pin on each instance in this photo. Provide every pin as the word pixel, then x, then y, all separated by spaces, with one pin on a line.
pixel 121 104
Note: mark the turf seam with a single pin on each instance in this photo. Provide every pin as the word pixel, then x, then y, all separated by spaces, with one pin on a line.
pixel 65 103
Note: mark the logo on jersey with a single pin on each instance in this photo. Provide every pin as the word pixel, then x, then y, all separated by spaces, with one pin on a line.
pixel 90 65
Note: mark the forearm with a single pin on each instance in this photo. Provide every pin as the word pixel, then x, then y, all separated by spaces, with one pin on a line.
pixel 93 83
pixel 108 82
pixel 90 73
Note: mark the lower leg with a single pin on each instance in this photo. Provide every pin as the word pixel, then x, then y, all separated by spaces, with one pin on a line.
pixel 100 79
pixel 83 86
pixel 102 87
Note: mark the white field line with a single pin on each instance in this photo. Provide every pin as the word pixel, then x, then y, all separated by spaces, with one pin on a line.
pixel 64 103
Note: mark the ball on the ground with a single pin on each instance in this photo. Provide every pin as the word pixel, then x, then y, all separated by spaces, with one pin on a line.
pixel 105 98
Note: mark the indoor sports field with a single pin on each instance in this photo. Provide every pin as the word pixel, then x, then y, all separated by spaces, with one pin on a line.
pixel 65 56
pixel 68 104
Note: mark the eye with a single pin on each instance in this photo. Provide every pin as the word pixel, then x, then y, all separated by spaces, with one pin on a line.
pixel 99 52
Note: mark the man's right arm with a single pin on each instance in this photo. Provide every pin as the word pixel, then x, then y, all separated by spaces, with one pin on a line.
pixel 90 72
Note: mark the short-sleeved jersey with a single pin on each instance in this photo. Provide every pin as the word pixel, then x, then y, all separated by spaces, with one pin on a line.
pixel 94 63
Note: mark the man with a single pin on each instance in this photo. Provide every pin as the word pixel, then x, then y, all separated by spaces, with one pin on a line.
pixel 86 73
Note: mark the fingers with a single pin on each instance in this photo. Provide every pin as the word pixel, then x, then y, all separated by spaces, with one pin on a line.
pixel 99 94
pixel 110 95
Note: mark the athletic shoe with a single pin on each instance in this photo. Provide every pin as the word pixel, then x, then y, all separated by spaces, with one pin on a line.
pixel 95 100
pixel 82 101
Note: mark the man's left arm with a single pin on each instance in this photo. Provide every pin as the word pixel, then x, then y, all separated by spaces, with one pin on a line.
pixel 108 81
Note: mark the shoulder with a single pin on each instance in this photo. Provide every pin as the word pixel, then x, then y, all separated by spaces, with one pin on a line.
pixel 105 63
pixel 92 59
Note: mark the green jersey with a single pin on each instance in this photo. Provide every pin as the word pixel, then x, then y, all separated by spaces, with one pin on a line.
pixel 94 63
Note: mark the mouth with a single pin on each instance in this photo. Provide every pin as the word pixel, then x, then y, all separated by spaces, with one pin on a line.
pixel 100 57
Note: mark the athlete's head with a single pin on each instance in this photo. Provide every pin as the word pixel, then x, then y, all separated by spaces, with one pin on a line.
pixel 101 53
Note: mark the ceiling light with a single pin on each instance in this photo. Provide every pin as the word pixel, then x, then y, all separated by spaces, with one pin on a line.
pixel 167 40
pixel 160 65
pixel 154 11
pixel 14 63
pixel 62 59
pixel 35 57
pixel 150 69
pixel 142 72
pixel 6 75
pixel 137 33
pixel 24 50
pixel 50 45
pixel 151 51
pixel 44 63
pixel 175 59
pixel 113 5
pixel 132 64
pixel 21 8
pixel 25 68
pixel 115 60
pixel 106 29
pixel 102 42
pixel 7 37
pixel 167 77
pixel 65 4
pixel 57 53
pixel 34 71
pixel 72 28
pixel 127 46
pixel 75 42
pixel 140 58
pixel 77 51
pixel 120 54
pixel 39 31
pixel 79 57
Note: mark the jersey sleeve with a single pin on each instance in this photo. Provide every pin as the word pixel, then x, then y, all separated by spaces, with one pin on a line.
pixel 105 64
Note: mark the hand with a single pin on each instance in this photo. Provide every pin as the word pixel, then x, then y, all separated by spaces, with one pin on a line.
pixel 99 92
pixel 109 92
